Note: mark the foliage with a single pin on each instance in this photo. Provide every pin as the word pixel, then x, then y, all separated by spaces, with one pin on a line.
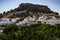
pixel 1 15
pixel 4 12
pixel 32 32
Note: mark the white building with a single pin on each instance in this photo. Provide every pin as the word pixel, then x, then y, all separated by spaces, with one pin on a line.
pixel 4 21
pixel 13 20
pixel 31 20
pixel 27 21
pixel 51 20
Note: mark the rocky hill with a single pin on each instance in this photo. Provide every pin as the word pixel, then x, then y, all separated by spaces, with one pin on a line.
pixel 28 9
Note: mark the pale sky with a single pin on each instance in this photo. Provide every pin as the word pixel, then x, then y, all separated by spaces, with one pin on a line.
pixel 6 5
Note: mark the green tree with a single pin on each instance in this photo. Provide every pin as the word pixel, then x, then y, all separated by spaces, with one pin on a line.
pixel 32 32
pixel 1 15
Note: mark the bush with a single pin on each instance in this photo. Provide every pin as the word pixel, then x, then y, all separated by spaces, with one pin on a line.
pixel 33 32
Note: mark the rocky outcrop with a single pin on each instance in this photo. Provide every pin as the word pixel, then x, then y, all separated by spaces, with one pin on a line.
pixel 28 9
pixel 33 7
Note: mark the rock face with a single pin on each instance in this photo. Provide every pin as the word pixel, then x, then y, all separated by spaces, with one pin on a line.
pixel 34 7
pixel 28 9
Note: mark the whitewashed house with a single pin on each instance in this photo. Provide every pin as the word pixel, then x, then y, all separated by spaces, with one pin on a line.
pixel 13 20
pixel 32 20
pixel 22 22
pixel 4 21
pixel 42 19
pixel 51 20
pixel 27 21
pixel 58 21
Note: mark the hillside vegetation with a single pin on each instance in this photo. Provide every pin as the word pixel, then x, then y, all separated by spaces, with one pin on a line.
pixel 33 32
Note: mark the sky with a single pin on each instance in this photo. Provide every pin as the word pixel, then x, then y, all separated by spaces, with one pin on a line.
pixel 6 5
